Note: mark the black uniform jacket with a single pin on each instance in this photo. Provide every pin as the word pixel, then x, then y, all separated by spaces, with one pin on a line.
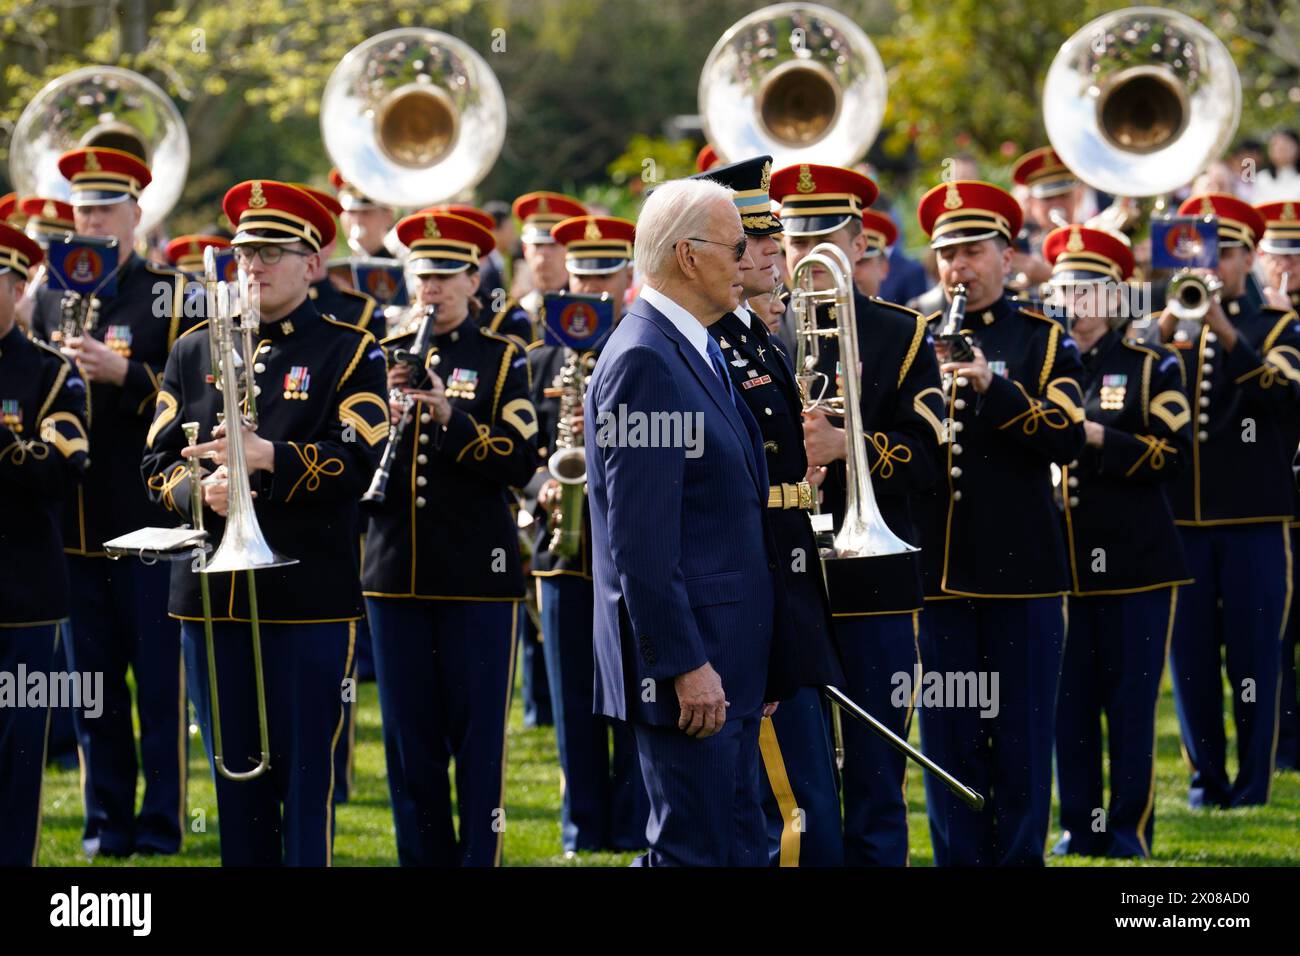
pixel 43 454
pixel 321 403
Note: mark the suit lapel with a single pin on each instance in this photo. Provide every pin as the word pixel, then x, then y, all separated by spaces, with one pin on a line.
pixel 703 371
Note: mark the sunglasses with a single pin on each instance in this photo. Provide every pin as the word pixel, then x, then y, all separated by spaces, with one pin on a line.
pixel 737 248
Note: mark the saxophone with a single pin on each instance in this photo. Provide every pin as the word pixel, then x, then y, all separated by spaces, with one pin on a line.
pixel 568 464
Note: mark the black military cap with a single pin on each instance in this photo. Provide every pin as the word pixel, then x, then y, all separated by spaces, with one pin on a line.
pixel 749 181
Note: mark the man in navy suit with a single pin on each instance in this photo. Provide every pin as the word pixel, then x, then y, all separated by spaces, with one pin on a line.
pixel 684 566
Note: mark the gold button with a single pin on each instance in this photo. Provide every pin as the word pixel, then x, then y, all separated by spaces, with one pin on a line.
pixel 424 418
pixel 1073 482
pixel 1211 337
pixel 956 496
pixel 1207 368
pixel 424 439
pixel 1203 418
pixel 1205 401
pixel 422 459
pixel 421 481
pixel 1074 502
pixel 955 471
pixel 419 502
pixel 956 449
pixel 1202 436
pixel 259 367
pixel 959 404
pixel 767 411
pixel 1208 353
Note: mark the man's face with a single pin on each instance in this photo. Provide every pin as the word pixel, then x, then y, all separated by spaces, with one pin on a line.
pixel 282 286
pixel 114 221
pixel 766 252
pixel 1276 266
pixel 546 263
pixel 796 247
pixel 980 266
pixel 1234 265
pixel 505 236
pixel 1040 209
pixel 615 283
pixel 869 274
pixel 369 225
pixel 719 278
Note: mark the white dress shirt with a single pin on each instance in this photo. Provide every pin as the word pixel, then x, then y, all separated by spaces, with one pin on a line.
pixel 686 323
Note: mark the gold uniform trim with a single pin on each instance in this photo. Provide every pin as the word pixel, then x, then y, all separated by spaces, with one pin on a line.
pixel 922 409
pixel 165 411
pixel 917 338
pixel 1171 408
pixel 521 416
pixel 1049 360
pixel 64 445
pixel 313 468
pixel 348 414
pixel 1057 394
pixel 774 765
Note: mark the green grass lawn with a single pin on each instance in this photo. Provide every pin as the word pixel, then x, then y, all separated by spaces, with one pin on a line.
pixel 1259 836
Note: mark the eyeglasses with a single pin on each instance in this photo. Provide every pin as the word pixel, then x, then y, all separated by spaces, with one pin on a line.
pixel 269 255
pixel 737 248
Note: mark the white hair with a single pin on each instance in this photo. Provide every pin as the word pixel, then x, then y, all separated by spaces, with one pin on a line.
pixel 676 210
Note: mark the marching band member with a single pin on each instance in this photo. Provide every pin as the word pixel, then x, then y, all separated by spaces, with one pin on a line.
pixel 321 419
pixel 603 805
pixel 901 408
pixel 537 212
pixel 1233 507
pixel 185 253
pixel 993 552
pixel 1279 258
pixel 872 265
pixel 47 219
pixel 442 574
pixel 800 800
pixel 365 222
pixel 1126 559
pixel 118 613
pixel 346 305
pixel 42 457
pixel 508 316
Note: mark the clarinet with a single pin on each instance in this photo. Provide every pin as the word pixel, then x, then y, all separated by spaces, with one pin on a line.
pixel 959 346
pixel 414 358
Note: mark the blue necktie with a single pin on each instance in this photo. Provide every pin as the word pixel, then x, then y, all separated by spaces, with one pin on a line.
pixel 720 366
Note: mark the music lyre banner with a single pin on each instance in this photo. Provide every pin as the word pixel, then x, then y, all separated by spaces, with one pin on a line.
pixel 577 321
pixel 381 279
pixel 86 265
pixel 1184 242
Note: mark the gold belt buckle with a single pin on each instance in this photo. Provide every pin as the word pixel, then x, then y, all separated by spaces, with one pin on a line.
pixel 805 492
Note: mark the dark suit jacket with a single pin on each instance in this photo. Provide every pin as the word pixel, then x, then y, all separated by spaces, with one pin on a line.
pixel 683 562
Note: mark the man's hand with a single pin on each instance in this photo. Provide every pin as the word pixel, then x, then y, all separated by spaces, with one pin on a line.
pixel 98 363
pixel 548 496
pixel 259 454
pixel 216 491
pixel 976 371
pixel 1094 433
pixel 434 398
pixel 1275 299
pixel 770 709
pixel 398 375
pixel 704 705
pixel 823 442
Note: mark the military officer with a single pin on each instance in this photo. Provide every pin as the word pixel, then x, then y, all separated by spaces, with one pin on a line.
pixel 537 212
pixel 321 420
pixel 800 801
pixel 42 458
pixel 1233 507
pixel 1126 559
pixel 901 409
pixel 1279 258
pixel 186 252
pixel 442 573
pixel 993 553
pixel 603 804
pixel 118 613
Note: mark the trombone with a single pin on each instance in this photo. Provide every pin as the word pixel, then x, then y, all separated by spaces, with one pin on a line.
pixel 243 547
pixel 864 533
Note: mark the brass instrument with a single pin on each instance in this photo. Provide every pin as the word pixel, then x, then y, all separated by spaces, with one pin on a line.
pixel 78 315
pixel 1139 101
pixel 568 464
pixel 243 547
pixel 864 535
pixel 798 81
pixel 412 117
pixel 1189 294
pixel 417 359
pixel 101 106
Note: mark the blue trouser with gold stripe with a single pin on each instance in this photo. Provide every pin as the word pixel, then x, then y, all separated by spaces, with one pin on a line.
pixel 1234 615
pixel 1288 735
pixel 1003 751
pixel 800 802
pixel 534 684
pixel 22 743
pixel 285 816
pixel 444 670
pixel 604 805
pixel 1113 661
pixel 119 620
pixel 873 650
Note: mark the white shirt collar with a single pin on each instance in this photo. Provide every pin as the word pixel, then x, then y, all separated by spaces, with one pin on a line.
pixel 742 312
pixel 686 323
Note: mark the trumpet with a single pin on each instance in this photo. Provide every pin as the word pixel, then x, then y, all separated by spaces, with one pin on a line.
pixel 1189 294
pixel 243 546
pixel 416 359
pixel 568 465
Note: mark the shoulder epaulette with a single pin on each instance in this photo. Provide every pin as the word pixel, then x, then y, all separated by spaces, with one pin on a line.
pixel 1141 347
pixel 395 336
pixel 534 345
pixel 345 325
pixel 357 295
pixel 910 313
pixel 201 324
pixel 497 336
